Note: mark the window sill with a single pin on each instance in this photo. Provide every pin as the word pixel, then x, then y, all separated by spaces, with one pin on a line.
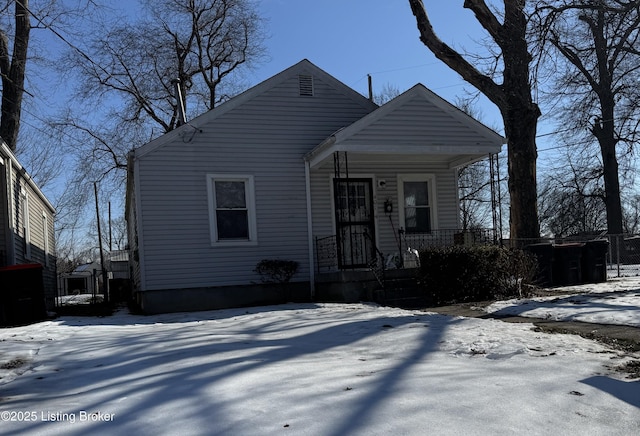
pixel 215 244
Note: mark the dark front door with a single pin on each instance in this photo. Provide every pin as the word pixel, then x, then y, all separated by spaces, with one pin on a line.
pixel 354 222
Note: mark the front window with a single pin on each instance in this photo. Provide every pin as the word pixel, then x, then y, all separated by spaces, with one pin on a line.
pixel 416 205
pixel 232 210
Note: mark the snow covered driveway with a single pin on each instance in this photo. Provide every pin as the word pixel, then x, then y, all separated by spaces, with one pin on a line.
pixel 314 369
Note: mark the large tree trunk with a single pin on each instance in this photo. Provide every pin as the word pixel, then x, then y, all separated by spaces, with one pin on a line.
pixel 513 97
pixel 605 130
pixel 605 133
pixel 520 115
pixel 13 71
pixel 520 128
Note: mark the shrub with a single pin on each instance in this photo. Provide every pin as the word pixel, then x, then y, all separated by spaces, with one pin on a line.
pixel 276 271
pixel 460 273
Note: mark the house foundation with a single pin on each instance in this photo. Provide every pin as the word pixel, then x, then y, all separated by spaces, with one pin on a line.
pixel 221 297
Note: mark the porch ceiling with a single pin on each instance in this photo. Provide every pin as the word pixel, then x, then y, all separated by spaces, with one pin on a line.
pixel 447 160
pixel 449 157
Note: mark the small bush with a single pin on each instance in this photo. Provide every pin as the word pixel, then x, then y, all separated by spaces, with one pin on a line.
pixel 461 274
pixel 276 271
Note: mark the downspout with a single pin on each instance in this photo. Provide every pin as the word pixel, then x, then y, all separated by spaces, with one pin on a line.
pixel 312 260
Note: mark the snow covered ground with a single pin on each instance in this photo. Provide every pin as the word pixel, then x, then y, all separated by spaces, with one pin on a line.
pixel 311 369
pixel 614 302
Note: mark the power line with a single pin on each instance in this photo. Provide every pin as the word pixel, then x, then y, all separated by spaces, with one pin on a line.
pixel 63 39
pixel 394 70
pixel 412 67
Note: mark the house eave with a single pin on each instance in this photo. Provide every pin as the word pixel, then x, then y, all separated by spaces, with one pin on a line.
pixel 318 155
pixel 461 155
pixel 17 166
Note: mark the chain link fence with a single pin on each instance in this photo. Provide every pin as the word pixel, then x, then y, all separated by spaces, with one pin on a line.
pixel 623 258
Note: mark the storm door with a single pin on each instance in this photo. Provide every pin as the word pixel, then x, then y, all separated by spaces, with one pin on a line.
pixel 354 222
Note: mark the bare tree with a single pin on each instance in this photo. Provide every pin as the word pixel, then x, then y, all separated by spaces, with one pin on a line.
pixel 512 96
pixel 474 186
pixel 41 155
pixel 599 82
pixel 387 93
pixel 26 58
pixel 202 43
pixel 632 215
pixel 572 196
pixel 13 62
pixel 474 181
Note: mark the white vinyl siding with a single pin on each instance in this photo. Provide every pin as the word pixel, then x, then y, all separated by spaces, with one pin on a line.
pixel 232 210
pixel 132 231
pixel 418 122
pixel 443 195
pixel 45 238
pixel 4 213
pixel 28 219
pixel 265 137
pixel 24 223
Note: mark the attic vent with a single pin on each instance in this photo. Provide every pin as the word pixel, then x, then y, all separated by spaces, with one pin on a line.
pixel 305 82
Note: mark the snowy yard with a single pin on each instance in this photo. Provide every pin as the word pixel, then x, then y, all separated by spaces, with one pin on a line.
pixel 316 369
pixel 614 302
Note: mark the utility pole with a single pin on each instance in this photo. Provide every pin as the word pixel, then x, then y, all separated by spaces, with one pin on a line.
pixel 110 233
pixel 105 283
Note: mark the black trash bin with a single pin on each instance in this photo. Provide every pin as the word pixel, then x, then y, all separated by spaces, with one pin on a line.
pixel 567 264
pixel 544 257
pixel 594 261
pixel 21 294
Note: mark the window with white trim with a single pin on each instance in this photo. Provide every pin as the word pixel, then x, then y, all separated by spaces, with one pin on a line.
pixel 416 203
pixel 232 211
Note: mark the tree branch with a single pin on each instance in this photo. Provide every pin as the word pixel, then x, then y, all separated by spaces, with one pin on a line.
pixel 453 59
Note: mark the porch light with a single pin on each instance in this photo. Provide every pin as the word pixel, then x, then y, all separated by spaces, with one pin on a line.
pixel 388 206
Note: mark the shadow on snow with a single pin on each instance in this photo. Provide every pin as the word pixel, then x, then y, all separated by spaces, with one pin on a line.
pixel 154 376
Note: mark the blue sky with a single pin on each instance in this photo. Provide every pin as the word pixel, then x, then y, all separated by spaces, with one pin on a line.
pixel 352 38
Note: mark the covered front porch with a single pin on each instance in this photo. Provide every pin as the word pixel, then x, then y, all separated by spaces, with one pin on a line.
pixel 386 186
pixel 370 222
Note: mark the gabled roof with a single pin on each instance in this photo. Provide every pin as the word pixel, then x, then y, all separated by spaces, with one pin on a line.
pixel 86 268
pixel 302 67
pixel 5 152
pixel 416 122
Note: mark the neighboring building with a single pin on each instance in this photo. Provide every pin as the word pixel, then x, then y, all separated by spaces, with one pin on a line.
pixel 87 278
pixel 26 225
pixel 84 279
pixel 118 265
pixel 300 167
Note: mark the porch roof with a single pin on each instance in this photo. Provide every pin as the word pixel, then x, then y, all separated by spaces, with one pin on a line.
pixel 416 124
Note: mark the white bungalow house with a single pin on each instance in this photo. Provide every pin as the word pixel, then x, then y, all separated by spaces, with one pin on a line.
pixel 300 167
